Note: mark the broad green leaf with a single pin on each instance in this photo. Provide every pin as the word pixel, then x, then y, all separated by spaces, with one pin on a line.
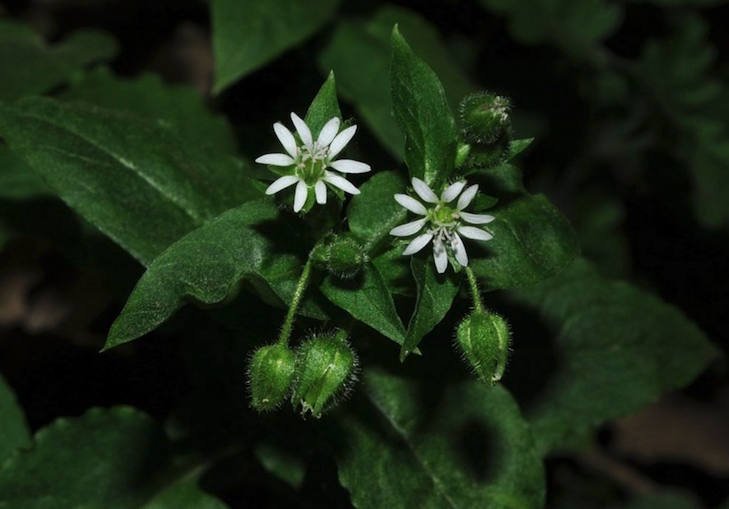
pixel 206 266
pixel 324 107
pixel 374 212
pixel 421 109
pixel 367 299
pixel 247 34
pixel 14 432
pixel 360 55
pixel 17 180
pixel 395 270
pixel 106 459
pixel 30 67
pixel 614 349
pixel 147 96
pixel 464 446
pixel 434 299
pixel 138 181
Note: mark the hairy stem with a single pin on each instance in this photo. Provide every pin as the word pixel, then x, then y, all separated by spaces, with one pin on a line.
pixel 475 292
pixel 288 324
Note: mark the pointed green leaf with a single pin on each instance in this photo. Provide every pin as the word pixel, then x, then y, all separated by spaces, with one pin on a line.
pixel 457 447
pixel 14 432
pixel 324 107
pixel 207 264
pixel 367 299
pixel 614 350
pixel 138 181
pixel 374 212
pixel 149 97
pixel 421 109
pixel 434 299
pixel 110 459
pixel 248 34
pixel 30 67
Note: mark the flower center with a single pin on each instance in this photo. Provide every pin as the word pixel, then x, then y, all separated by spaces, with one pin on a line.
pixel 442 216
pixel 312 163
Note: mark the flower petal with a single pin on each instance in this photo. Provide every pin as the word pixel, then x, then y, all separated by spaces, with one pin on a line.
pixel 340 182
pixel 417 244
pixel 341 141
pixel 282 183
pixel 424 191
pixel 320 188
pixel 459 250
pixel 453 190
pixel 407 229
pixel 350 166
pixel 471 232
pixel 286 139
pixel 328 132
pixel 467 197
pixel 302 129
pixel 476 218
pixel 440 256
pixel 276 160
pixel 411 204
pixel 302 191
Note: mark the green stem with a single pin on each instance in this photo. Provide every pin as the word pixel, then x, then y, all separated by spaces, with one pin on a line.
pixel 475 292
pixel 283 338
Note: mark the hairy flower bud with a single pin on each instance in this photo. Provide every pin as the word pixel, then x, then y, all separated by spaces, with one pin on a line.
pixel 341 256
pixel 484 339
pixel 270 375
pixel 325 369
pixel 485 118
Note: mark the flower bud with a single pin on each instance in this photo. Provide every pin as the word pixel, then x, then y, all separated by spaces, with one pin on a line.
pixel 270 375
pixel 325 368
pixel 341 256
pixel 485 118
pixel 484 338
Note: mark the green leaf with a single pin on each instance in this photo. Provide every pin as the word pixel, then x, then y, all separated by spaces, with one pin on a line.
pixel 360 54
pixel 435 297
pixel 324 107
pixel 14 432
pixel 17 180
pixel 247 34
pixel 110 459
pixel 207 264
pixel 147 96
pixel 281 464
pixel 614 350
pixel 367 299
pixel 421 109
pixel 374 212
pixel 30 67
pixel 464 446
pixel 137 181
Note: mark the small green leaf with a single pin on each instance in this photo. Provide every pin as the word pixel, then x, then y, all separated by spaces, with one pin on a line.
pixel 115 459
pixel 434 299
pixel 14 432
pixel 374 212
pixel 31 68
pixel 137 181
pixel 207 264
pixel 290 469
pixel 617 349
pixel 367 299
pixel 324 107
pixel 421 109
pixel 516 147
pixel 149 97
pixel 247 34
pixel 458 447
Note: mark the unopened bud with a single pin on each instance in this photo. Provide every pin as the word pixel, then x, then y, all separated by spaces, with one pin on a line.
pixel 484 338
pixel 325 368
pixel 341 256
pixel 485 118
pixel 270 375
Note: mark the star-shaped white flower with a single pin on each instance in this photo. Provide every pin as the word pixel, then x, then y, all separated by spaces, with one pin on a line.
pixel 444 221
pixel 310 161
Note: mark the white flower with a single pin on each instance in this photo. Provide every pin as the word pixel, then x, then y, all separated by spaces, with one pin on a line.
pixel 311 159
pixel 444 221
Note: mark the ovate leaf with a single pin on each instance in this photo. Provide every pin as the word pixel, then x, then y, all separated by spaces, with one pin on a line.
pixel 111 459
pixel 207 264
pixel 14 432
pixel 459 447
pixel 613 350
pixel 138 181
pixel 247 34
pixel 421 109
pixel 30 67
pixel 324 107
pixel 374 212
